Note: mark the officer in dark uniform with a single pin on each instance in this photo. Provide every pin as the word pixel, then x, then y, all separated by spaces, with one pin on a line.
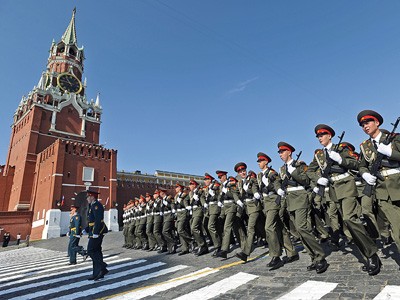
pixel 75 230
pixel 96 230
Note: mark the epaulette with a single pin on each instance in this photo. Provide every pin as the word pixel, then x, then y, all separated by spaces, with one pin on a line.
pixel 317 151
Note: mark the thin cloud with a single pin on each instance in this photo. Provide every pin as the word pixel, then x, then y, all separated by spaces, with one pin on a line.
pixel 241 86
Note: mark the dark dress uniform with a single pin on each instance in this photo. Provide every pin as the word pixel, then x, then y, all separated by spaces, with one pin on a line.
pixel 96 230
pixel 75 231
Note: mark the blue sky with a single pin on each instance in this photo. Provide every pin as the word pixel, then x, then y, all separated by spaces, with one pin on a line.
pixel 196 86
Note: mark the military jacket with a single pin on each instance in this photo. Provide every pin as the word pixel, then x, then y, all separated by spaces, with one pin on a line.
pixel 181 202
pixel 75 225
pixel 212 201
pixel 251 204
pixel 343 184
pixel 142 214
pixel 96 219
pixel 228 198
pixel 149 212
pixel 196 205
pixel 157 211
pixel 168 206
pixel 268 184
pixel 390 186
pixel 296 194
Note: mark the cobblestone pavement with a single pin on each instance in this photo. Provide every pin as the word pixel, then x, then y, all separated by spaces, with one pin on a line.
pixel 40 271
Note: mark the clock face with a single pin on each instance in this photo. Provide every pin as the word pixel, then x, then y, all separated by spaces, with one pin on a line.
pixel 69 82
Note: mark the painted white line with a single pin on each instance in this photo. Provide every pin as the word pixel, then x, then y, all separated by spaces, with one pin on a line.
pixel 150 291
pixel 117 285
pixel 391 292
pixel 40 271
pixel 219 287
pixel 79 285
pixel 310 290
pixel 64 279
pixel 34 264
pixel 70 270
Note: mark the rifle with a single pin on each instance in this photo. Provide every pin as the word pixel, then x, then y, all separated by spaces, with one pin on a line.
pixel 327 171
pixel 285 181
pixel 377 163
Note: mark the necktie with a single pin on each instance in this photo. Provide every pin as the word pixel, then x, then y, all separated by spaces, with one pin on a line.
pixel 375 144
pixel 328 158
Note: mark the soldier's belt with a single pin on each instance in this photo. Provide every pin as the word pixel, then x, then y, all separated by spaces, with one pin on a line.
pixel 327 189
pixel 91 223
pixel 390 172
pixel 167 212
pixel 341 176
pixel 248 200
pixel 73 228
pixel 228 201
pixel 269 194
pixel 195 206
pixel 358 182
pixel 156 213
pixel 181 209
pixel 212 202
pixel 295 188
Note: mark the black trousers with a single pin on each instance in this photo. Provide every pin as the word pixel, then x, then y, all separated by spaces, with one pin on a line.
pixel 94 251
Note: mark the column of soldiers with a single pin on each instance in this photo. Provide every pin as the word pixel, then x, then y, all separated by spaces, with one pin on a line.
pixel 341 198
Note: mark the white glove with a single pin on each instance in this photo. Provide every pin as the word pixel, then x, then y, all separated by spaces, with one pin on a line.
pixel 95 236
pixel 265 180
pixel 188 208
pixel 220 204
pixel 178 200
pixel 385 149
pixel 165 202
pixel 173 211
pixel 369 178
pixel 205 205
pixel 78 236
pixel 281 192
pixel 323 181
pixel 147 206
pixel 84 231
pixel 257 195
pixel 224 190
pixel 335 156
pixel 191 212
pixel 315 190
pixel 67 233
pixel 291 169
pixel 196 197
pixel 161 213
pixel 246 187
pixel 211 192
pixel 240 203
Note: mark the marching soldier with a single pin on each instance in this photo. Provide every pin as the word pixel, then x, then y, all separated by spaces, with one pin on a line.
pixel 293 174
pixel 158 222
pixel 168 222
pixel 342 187
pixel 277 236
pixel 197 217
pixel 141 228
pixel 75 231
pixel 151 240
pixel 227 199
pixel 250 199
pixel 210 200
pixel 386 192
pixel 96 230
pixel 181 201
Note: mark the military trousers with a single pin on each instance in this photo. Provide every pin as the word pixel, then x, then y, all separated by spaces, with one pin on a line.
pixel 232 223
pixel 131 235
pixel 367 211
pixel 349 208
pixel 213 229
pixel 300 218
pixel 167 234
pixel 95 253
pixel 73 247
pixel 150 235
pixel 157 231
pixel 251 231
pixel 182 226
pixel 196 229
pixel 392 213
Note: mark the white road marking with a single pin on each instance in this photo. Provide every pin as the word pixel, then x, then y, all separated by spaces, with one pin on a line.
pixel 389 292
pixel 310 290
